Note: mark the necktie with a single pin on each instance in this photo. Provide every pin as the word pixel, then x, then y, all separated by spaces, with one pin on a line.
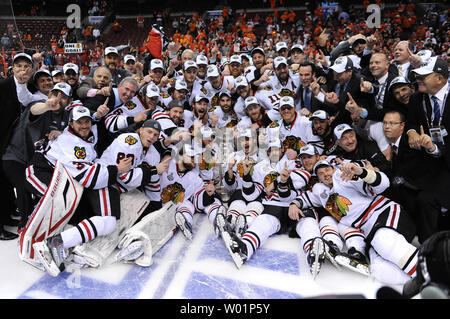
pixel 307 99
pixel 341 91
pixel 436 111
pixel 400 71
pixel 393 152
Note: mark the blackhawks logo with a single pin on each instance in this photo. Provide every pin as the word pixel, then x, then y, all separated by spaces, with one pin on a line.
pixel 130 105
pixel 80 152
pixel 240 166
pixel 293 142
pixel 130 140
pixel 274 124
pixel 173 192
pixel 270 178
pixel 337 206
pixel 287 92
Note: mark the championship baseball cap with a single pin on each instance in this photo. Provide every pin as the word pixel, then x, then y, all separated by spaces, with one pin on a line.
pixel 434 64
pixel 341 129
pixel 280 45
pixel 109 50
pixel 287 100
pixel 240 81
pixel 129 57
pixel 23 56
pixel 320 164
pixel 56 72
pixel 398 81
pixel 175 103
pixel 63 87
pixel 320 114
pixel 152 90
pixel 41 72
pixel 309 150
pixel 156 63
pixel 258 50
pixel 235 59
pixel 278 61
pixel 189 64
pixel 296 47
pixel 152 124
pixel 70 66
pixel 424 54
pixel 201 59
pixel 251 100
pixel 201 96
pixel 225 92
pixel 212 71
pixel 180 85
pixel 341 64
pixel 79 112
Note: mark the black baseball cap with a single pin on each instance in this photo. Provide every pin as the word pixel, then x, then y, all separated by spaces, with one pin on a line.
pixel 152 124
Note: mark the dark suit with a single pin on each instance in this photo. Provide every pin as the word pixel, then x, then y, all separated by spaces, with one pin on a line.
pixel 10 111
pixel 314 104
pixel 437 193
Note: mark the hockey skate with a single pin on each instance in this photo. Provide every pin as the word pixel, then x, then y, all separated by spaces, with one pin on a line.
pixel 236 247
pixel 354 260
pixel 240 225
pixel 184 225
pixel 331 251
pixel 50 253
pixel 316 256
pixel 220 222
pixel 131 252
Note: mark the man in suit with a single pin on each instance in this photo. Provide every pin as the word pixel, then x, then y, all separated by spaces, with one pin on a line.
pixel 428 124
pixel 377 87
pixel 344 87
pixel 307 72
pixel 99 84
pixel 10 112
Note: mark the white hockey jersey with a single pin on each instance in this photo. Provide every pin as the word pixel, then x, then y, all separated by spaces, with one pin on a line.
pixel 236 182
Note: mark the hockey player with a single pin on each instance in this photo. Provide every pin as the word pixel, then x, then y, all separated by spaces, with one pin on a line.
pixel 350 193
pixel 174 117
pixel 137 110
pixel 182 185
pixel 75 148
pixel 193 85
pixel 255 116
pixel 216 84
pixel 178 92
pixel 224 115
pixel 268 179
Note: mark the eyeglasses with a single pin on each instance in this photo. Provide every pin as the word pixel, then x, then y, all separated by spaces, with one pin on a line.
pixel 391 123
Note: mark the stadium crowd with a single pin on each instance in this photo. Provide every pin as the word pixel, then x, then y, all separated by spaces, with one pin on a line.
pixel 319 126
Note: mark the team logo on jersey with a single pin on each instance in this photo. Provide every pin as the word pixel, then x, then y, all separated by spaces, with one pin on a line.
pixel 172 81
pixel 337 206
pixel 274 124
pixel 130 105
pixel 204 90
pixel 80 152
pixel 293 142
pixel 130 140
pixel 164 95
pixel 215 100
pixel 173 192
pixel 240 166
pixel 231 124
pixel 211 109
pixel 140 79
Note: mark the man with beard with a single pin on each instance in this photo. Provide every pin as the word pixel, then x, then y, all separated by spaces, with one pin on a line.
pixel 179 92
pixel 135 111
pixel 193 85
pixel 224 115
pixel 321 126
pixel 111 59
pixel 282 82
pixel 202 64
pixel 72 77
pixel 173 118
pixel 352 147
pixel 256 116
pixel 216 84
pixel 235 65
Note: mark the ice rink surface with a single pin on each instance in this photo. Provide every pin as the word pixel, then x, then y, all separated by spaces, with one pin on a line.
pixel 182 269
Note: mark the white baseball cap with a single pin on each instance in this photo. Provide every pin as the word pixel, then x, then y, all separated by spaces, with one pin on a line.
pixel 259 50
pixel 152 90
pixel 201 59
pixel 56 72
pixel 109 50
pixel 240 81
pixel 23 55
pixel 341 129
pixel 308 149
pixel 212 71
pixel 287 100
pixel 129 57
pixel 296 46
pixel 280 45
pixel 79 112
pixel 278 61
pixel 180 85
pixel 341 64
pixel 319 164
pixel 63 87
pixel 251 100
pixel 189 64
pixel 200 96
pixel 156 63
pixel 70 66
pixel 46 72
pixel 320 114
pixel 433 64
pixel 235 58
